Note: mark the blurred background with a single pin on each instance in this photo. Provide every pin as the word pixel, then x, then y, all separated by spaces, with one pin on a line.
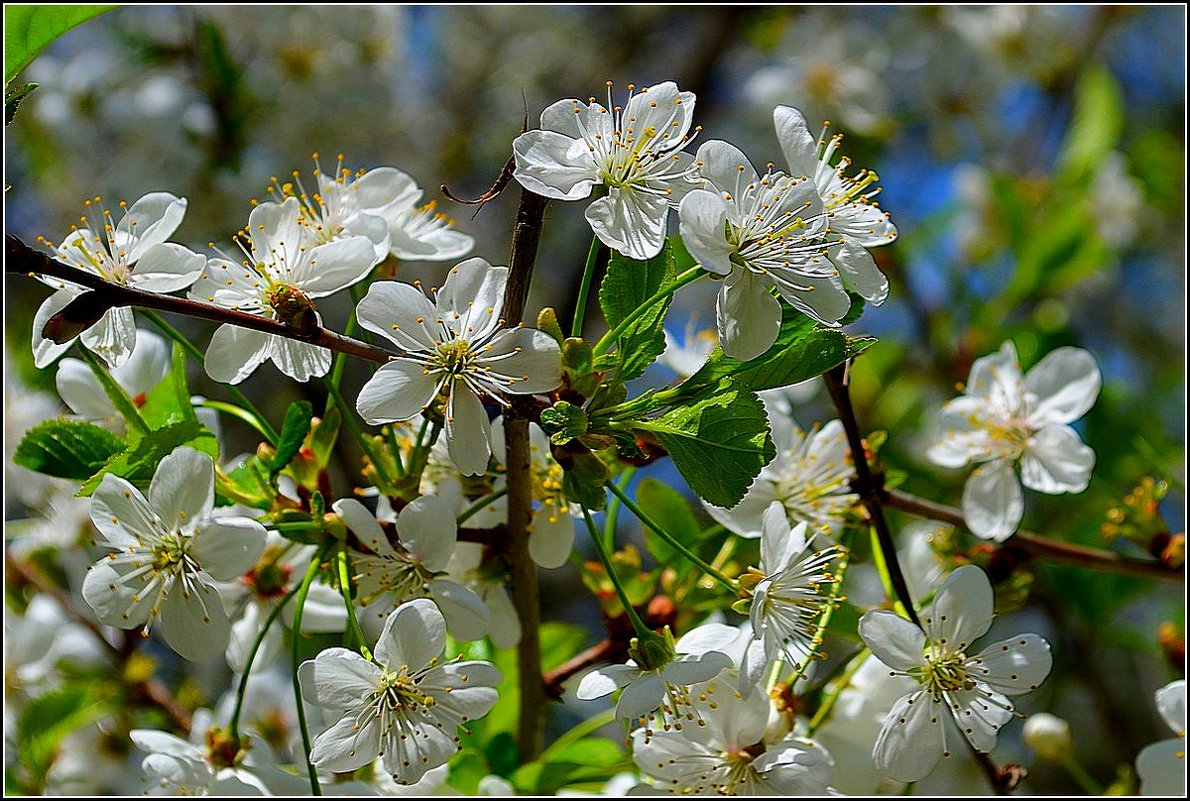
pixel 1031 157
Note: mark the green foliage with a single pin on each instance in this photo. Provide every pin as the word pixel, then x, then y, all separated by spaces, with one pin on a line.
pixel 585 760
pixel 627 285
pixel 139 460
pixel 293 434
pixel 13 97
pixel 1098 122
pixel 584 479
pixel 563 422
pixel 47 720
pixel 669 509
pixel 169 402
pixel 30 29
pixel 719 443
pixel 71 449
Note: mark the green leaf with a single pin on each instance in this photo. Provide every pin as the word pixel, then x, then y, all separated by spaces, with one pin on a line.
pixel 719 444
pixel 48 719
pixel 293 434
pixel 247 484
pixel 29 29
pixel 168 403
pixel 1097 124
pixel 669 509
pixel 584 478
pixel 563 422
pixel 627 285
pixel 803 349
pixel 589 759
pixel 13 97
pixel 71 449
pixel 139 461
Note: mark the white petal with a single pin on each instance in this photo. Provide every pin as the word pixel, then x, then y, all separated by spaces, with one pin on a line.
pixel 658 107
pixel 505 630
pixel 113 337
pixel 702 216
pixel 997 377
pixel 401 313
pixel 46 350
pixel 414 634
pixel 193 622
pixel 1162 768
pixel 553 165
pixel 748 317
pixel 148 364
pixel 228 547
pixel 725 166
pixel 300 361
pixel 797 143
pixel 363 524
pixel 1056 460
pixel 859 272
pixel 525 360
pixel 640 697
pixel 82 391
pixel 779 544
pixel 338 679
pixel 824 299
pixel 962 610
pixel 630 221
pixel 606 680
pixel 399 390
pixel 121 513
pixel 468 432
pixel 427 530
pixel 466 616
pixel 182 489
pixel 1171 703
pixel 234 353
pixel 337 265
pixel 1062 387
pixel 1014 666
pixel 980 716
pixel 278 236
pixel 148 222
pixel 552 536
pixel 894 640
pixel 167 268
pixel 384 187
pixel 117 599
pixel 472 298
pixel 344 747
pixel 993 502
pixel 965 424
pixel 910 742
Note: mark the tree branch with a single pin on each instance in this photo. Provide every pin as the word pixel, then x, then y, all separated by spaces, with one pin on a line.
pixel 20 258
pixel 522 572
pixel 1037 545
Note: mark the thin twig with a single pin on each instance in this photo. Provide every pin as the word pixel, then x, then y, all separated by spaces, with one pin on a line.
pixel 1044 547
pixel 20 258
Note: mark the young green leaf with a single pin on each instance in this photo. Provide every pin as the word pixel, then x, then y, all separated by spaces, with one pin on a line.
pixel 139 460
pixel 29 29
pixel 293 433
pixel 669 509
pixel 71 449
pixel 627 285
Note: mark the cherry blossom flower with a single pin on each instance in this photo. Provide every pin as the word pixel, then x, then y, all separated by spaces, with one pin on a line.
pixel 426 535
pixel 728 755
pixel 168 552
pixel 405 706
pixel 849 200
pixel 760 232
pixel 970 692
pixel 134 253
pixel 1004 418
pixel 456 350
pixel 1162 766
pixel 283 269
pixel 632 151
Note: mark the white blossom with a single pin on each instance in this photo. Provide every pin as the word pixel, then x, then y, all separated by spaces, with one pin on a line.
pixel 632 151
pixel 132 252
pixel 1162 766
pixel 1004 418
pixel 406 706
pixel 970 692
pixel 284 267
pixel 455 349
pixel 167 553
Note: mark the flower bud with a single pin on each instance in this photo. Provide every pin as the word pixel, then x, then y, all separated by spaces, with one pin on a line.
pixel 1049 736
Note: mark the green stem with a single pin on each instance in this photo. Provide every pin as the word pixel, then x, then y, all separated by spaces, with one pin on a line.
pixel 480 504
pixel 584 287
pixel 881 565
pixel 638 625
pixel 420 456
pixel 1084 779
pixel 353 625
pixel 341 358
pixel 611 337
pixel 671 539
pixel 234 726
pixel 302 592
pixel 578 732
pixel 613 509
pixel 394 445
pixel 115 393
pixel 237 412
pixel 843 682
pixel 296 527
pixel 357 433
pixel 263 425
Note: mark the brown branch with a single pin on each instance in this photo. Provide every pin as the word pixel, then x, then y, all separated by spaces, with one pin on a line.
pixel 1036 544
pixel 866 486
pixel 20 258
pixel 522 572
pixel 151 690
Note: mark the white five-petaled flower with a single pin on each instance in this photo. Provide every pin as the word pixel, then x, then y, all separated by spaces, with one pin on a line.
pixel 132 252
pixel 850 202
pixel 789 599
pixel 174 766
pixel 381 204
pixel 728 755
pixel 426 533
pixel 968 691
pixel 456 349
pixel 760 232
pixel 659 695
pixel 406 706
pixel 633 151
pixel 1004 418
pixel 168 551
pixel 284 267
pixel 1162 766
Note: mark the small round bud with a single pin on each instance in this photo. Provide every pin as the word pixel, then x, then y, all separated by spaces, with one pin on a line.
pixel 1049 736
